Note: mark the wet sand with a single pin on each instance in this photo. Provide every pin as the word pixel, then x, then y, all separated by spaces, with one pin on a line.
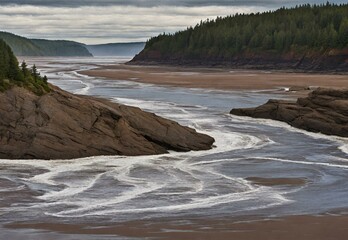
pixel 214 78
pixel 277 181
pixel 242 228
pixel 290 228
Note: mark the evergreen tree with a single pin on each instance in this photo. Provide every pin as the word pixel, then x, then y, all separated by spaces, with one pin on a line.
pixel 11 74
pixel 302 28
pixel 45 79
pixel 34 72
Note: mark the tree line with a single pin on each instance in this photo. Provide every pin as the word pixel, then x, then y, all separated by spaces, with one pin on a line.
pixel 298 29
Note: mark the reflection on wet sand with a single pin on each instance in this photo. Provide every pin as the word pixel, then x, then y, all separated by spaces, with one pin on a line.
pixel 289 228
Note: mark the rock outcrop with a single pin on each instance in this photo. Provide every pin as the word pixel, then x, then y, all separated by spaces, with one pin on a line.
pixel 60 125
pixel 299 88
pixel 329 61
pixel 324 110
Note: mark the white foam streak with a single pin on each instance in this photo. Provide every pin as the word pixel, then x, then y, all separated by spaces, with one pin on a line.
pixel 195 204
pixel 85 89
pixel 116 186
pixel 304 162
pixel 89 206
pixel 12 189
pixel 340 140
pixel 216 161
pixel 344 148
pixel 72 189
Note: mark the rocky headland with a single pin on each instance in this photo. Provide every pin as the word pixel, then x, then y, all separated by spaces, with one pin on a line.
pixel 60 125
pixel 324 110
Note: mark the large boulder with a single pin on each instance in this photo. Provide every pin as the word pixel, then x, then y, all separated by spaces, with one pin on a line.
pixel 60 125
pixel 324 110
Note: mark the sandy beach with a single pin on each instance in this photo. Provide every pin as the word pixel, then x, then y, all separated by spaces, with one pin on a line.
pixel 327 227
pixel 215 78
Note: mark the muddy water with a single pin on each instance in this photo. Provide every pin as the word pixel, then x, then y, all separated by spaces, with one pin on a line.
pixel 258 168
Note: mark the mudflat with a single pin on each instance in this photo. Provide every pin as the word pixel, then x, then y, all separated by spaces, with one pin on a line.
pixel 288 228
pixel 215 78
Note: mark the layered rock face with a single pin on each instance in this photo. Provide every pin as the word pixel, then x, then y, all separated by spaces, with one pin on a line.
pixel 330 61
pixel 324 110
pixel 60 125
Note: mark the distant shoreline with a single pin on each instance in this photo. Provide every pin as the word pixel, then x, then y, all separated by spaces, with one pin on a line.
pixel 263 65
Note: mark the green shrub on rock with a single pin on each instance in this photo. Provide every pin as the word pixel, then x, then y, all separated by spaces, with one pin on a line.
pixel 13 75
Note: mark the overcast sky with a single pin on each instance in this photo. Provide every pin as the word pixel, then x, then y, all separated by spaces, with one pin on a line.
pixel 104 21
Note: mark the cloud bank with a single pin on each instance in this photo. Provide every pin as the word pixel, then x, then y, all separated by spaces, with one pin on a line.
pixel 107 21
pixel 154 3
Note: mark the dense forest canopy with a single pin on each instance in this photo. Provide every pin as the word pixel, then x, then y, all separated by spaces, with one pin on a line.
pixel 299 29
pixel 12 75
pixel 61 48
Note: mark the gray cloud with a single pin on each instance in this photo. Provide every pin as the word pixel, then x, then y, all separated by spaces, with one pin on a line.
pixel 153 3
pixel 106 21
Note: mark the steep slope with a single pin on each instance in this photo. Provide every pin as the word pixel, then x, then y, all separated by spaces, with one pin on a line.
pixel 61 48
pixel 116 49
pixel 38 47
pixel 21 46
pixel 306 37
pixel 11 75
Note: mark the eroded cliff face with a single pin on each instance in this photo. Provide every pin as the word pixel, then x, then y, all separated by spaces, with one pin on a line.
pixel 60 125
pixel 324 110
pixel 332 60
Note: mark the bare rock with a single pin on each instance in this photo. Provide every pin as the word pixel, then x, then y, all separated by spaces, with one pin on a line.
pixel 299 88
pixel 324 110
pixel 60 125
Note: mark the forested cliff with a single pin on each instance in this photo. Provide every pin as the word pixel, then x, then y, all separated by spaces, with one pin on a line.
pixel 306 36
pixel 22 46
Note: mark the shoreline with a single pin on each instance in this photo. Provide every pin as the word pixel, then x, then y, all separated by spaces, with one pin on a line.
pixel 244 227
pixel 218 78
pixel 309 227
pixel 270 66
